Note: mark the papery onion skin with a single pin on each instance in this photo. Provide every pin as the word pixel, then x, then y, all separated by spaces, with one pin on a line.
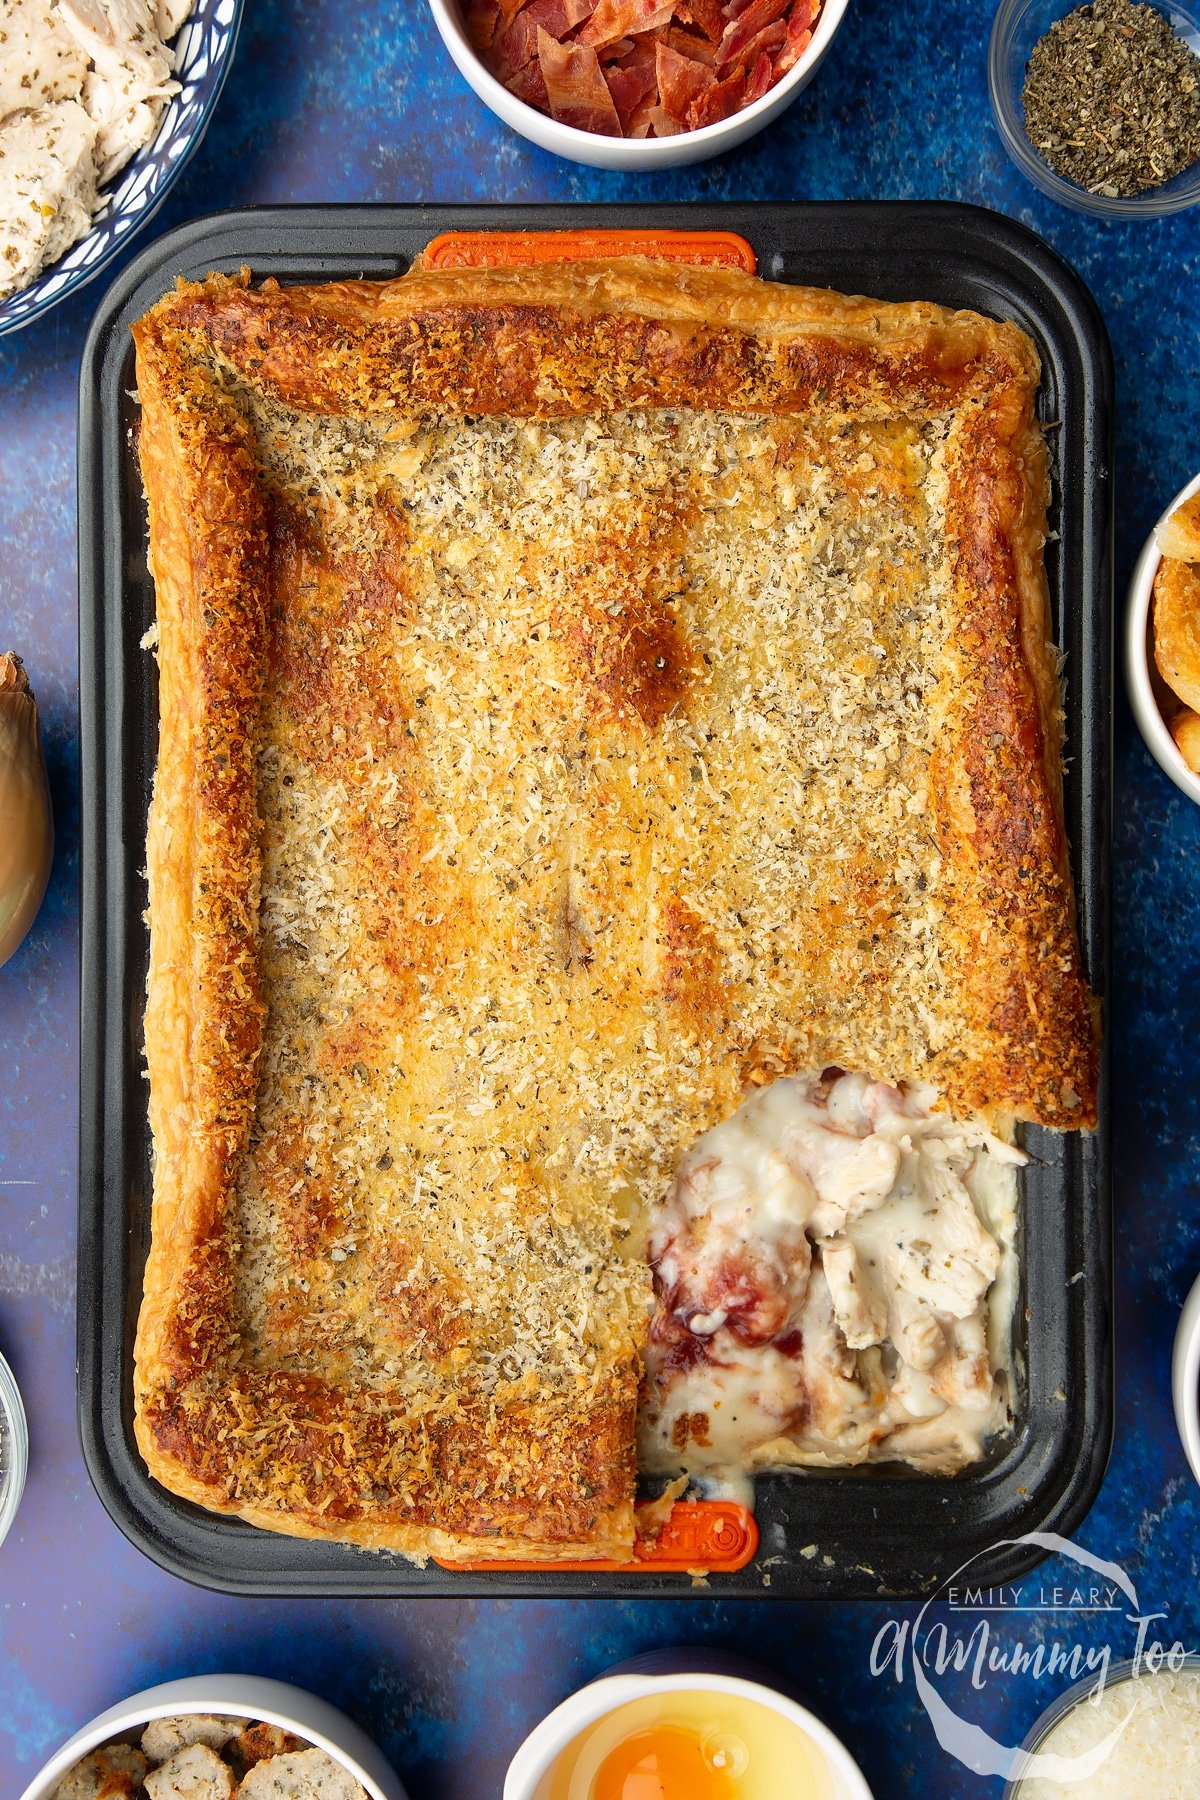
pixel 26 818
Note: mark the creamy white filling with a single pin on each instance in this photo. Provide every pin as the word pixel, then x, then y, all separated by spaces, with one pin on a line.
pixel 835 1274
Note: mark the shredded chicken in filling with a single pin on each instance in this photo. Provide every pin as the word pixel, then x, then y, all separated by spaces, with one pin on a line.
pixel 823 1264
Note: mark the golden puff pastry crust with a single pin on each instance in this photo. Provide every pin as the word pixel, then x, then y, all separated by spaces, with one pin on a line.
pixel 585 691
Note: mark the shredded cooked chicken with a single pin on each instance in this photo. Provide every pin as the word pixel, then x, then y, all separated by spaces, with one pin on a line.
pixel 83 84
pixel 823 1265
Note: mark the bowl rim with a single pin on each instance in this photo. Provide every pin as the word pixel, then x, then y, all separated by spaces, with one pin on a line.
pixel 1146 711
pixel 1152 204
pixel 12 1479
pixel 274 1702
pixel 631 153
pixel 535 1758
pixel 1185 1379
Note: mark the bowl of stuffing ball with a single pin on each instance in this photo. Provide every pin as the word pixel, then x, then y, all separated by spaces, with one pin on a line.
pixel 101 104
pixel 1162 641
pixel 219 1737
pixel 638 84
pixel 1098 101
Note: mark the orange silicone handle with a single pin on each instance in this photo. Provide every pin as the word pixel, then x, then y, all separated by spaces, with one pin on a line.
pixel 496 249
pixel 704 1536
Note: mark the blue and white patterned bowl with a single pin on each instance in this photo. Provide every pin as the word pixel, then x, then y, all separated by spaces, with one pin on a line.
pixel 204 51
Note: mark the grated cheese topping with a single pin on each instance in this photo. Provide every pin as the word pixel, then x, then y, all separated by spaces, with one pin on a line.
pixel 593 784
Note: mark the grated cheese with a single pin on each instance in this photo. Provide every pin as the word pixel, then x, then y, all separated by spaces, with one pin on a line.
pixel 575 733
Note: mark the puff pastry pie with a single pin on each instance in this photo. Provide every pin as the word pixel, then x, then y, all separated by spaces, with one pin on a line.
pixel 586 692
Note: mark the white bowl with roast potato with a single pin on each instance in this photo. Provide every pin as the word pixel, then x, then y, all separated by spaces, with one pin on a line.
pixel 219 1737
pixel 1162 641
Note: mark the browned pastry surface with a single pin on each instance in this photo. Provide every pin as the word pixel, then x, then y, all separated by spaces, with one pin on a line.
pixel 584 691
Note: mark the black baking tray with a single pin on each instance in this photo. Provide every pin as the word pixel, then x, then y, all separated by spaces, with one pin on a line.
pixel 881 1532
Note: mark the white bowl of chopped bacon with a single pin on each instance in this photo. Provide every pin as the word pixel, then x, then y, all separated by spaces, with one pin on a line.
pixel 638 84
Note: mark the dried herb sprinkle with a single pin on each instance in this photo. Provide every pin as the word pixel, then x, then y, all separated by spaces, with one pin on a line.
pixel 1112 99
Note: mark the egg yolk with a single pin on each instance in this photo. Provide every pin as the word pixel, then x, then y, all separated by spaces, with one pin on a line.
pixel 662 1763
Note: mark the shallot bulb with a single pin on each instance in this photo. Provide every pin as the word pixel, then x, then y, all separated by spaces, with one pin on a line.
pixel 26 821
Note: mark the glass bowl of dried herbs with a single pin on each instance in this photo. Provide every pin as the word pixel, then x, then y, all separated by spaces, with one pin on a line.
pixel 1099 103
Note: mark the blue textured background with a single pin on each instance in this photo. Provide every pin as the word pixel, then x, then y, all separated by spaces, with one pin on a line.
pixel 329 101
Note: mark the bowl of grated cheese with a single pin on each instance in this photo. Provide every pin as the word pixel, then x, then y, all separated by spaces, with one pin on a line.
pixel 1140 1734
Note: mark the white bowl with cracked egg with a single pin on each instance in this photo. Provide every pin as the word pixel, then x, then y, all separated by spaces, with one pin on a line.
pixel 661 1673
pixel 242 1696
